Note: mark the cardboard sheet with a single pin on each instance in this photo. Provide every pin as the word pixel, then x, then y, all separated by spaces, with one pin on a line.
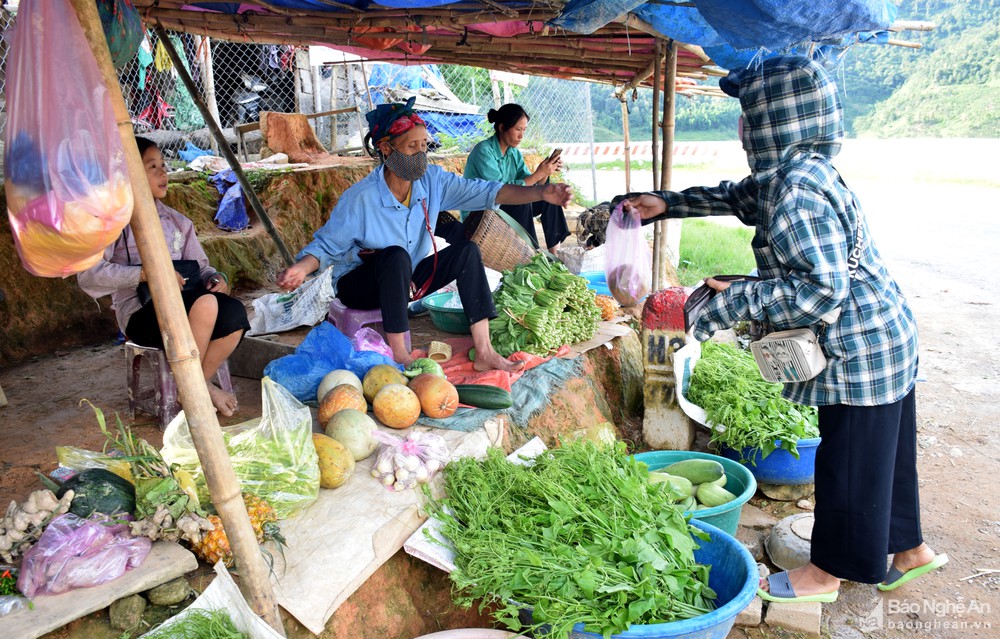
pixel 606 331
pixel 348 533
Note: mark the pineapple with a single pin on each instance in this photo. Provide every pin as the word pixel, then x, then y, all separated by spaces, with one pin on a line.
pixel 214 545
pixel 609 307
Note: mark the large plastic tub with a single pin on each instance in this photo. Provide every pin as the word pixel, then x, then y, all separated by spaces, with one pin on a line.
pixel 448 319
pixel 739 481
pixel 780 467
pixel 597 281
pixel 733 577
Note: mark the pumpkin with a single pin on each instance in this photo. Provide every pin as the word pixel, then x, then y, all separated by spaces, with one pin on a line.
pixel 335 378
pixel 339 398
pixel 336 463
pixel 380 375
pixel 355 430
pixel 396 406
pixel 438 397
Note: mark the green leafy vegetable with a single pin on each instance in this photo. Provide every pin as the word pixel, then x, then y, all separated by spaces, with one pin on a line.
pixel 198 623
pixel 747 411
pixel 540 307
pixel 579 535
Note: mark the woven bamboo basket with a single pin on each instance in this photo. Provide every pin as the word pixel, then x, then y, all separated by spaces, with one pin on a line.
pixel 500 245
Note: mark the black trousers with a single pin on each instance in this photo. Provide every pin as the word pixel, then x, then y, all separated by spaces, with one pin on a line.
pixel 553 220
pixel 144 330
pixel 383 282
pixel 867 502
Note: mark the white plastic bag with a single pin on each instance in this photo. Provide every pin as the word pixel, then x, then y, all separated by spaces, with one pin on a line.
pixel 307 305
pixel 402 463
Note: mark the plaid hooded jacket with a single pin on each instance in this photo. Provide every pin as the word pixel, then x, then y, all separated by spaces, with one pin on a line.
pixel 805 221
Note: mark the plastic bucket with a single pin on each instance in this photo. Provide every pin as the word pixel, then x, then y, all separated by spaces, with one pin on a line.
pixel 450 320
pixel 780 467
pixel 739 481
pixel 597 281
pixel 733 577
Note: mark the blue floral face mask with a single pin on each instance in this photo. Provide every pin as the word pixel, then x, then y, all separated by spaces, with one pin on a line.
pixel 407 167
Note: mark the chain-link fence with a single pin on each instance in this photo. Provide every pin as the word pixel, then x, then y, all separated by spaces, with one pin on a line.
pixel 6 28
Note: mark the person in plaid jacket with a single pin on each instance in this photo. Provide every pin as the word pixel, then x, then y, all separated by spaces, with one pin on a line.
pixel 815 256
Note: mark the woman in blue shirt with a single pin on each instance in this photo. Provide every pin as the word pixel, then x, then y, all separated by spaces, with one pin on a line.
pixel 379 236
pixel 497 158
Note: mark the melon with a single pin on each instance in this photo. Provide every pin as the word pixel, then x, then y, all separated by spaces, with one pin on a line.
pixel 438 397
pixel 335 378
pixel 380 375
pixel 355 430
pixel 396 406
pixel 339 398
pixel 336 463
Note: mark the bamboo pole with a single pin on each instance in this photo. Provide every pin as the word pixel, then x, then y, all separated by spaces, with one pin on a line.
pixel 657 78
pixel 670 236
pixel 234 163
pixel 178 343
pixel 628 152
pixel 208 84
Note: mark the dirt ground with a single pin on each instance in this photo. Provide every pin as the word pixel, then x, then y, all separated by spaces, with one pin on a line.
pixel 959 454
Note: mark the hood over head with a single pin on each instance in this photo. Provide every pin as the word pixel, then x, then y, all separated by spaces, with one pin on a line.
pixel 790 108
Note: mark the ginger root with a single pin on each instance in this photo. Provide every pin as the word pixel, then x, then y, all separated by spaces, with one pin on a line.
pixel 23 523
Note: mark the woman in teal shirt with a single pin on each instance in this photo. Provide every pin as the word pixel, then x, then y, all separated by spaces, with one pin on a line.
pixel 498 159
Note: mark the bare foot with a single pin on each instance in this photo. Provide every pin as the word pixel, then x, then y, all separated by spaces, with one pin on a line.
pixel 402 358
pixel 493 361
pixel 808 580
pixel 225 403
pixel 913 558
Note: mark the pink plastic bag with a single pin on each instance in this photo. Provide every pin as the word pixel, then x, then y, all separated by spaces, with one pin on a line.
pixel 79 553
pixel 68 190
pixel 368 339
pixel 628 260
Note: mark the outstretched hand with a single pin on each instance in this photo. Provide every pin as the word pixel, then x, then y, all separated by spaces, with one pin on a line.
pixel 558 194
pixel 646 205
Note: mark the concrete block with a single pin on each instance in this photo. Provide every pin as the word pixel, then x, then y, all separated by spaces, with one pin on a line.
pixel 752 614
pixel 253 354
pixel 752 540
pixel 802 617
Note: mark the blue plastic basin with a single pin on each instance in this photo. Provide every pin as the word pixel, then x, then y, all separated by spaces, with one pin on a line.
pixel 597 281
pixel 734 579
pixel 780 467
pixel 739 481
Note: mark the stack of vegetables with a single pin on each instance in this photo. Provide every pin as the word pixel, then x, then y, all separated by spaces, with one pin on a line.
pixel 747 411
pixel 540 307
pixel 579 535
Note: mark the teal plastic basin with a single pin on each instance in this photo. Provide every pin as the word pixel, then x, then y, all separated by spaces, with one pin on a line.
pixel 739 481
pixel 450 320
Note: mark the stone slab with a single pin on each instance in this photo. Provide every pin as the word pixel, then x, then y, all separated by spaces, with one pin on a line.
pixel 753 517
pixel 254 353
pixel 786 492
pixel 751 615
pixel 167 560
pixel 801 617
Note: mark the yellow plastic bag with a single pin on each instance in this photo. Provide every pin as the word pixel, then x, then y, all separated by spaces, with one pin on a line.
pixel 81 459
pixel 273 455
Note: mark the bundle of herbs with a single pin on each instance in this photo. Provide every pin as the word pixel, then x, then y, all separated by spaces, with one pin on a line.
pixel 540 307
pixel 745 410
pixel 579 535
pixel 198 623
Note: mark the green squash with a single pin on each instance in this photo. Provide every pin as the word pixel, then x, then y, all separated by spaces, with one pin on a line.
pixel 99 490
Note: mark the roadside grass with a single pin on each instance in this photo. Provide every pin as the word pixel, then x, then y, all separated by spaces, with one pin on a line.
pixel 709 248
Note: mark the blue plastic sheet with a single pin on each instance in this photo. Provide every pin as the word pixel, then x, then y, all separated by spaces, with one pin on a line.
pixel 323 350
pixel 190 152
pixel 232 213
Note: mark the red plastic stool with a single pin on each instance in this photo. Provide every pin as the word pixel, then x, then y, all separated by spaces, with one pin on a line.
pixel 159 398
pixel 349 321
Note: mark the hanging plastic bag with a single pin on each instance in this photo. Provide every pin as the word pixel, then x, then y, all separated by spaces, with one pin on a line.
pixel 403 462
pixel 68 190
pixel 122 29
pixel 629 262
pixel 79 553
pixel 273 456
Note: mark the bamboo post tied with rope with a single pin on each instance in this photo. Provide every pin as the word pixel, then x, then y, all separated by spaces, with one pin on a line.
pixel 179 344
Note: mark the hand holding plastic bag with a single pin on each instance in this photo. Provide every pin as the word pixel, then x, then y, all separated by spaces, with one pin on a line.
pixel 273 456
pixel 629 262
pixel 79 553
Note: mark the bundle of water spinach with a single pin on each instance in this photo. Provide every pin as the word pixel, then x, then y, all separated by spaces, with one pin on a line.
pixel 747 410
pixel 578 535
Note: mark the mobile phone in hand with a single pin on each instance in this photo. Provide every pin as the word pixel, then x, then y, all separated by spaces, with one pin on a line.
pixel 554 156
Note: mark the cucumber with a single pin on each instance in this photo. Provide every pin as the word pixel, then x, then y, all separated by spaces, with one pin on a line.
pixel 711 495
pixel 697 471
pixel 483 396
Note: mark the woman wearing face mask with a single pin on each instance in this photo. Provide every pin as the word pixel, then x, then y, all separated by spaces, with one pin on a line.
pixel 379 236
pixel 498 158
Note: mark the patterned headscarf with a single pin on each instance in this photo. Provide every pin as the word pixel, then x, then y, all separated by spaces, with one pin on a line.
pixel 388 121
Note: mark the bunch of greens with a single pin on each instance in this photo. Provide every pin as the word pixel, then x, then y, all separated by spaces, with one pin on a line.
pixel 746 410
pixel 198 623
pixel 579 535
pixel 540 307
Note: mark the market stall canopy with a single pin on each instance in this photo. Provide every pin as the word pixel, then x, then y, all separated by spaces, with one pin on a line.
pixel 607 41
